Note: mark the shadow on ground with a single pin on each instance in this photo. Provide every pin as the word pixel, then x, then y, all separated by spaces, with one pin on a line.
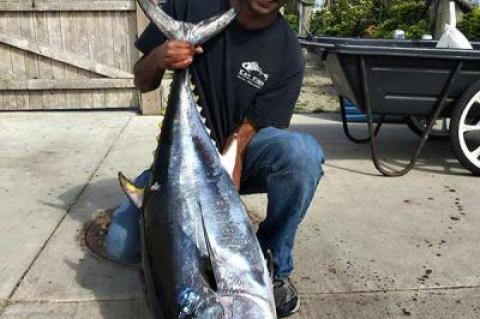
pixel 396 145
pixel 114 288
pixel 114 285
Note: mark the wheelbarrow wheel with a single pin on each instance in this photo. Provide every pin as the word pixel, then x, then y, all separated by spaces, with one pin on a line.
pixel 418 125
pixel 465 129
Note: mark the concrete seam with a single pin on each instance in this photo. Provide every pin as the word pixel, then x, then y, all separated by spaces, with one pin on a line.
pixel 3 305
pixel 7 302
pixel 308 295
pixel 387 291
pixel 26 302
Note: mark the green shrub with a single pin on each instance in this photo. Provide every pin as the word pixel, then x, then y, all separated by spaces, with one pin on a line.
pixel 372 18
pixel 470 24
pixel 409 16
pixel 379 18
pixel 292 20
pixel 344 18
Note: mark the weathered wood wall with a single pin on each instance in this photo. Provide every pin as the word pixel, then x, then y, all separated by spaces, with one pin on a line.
pixel 75 54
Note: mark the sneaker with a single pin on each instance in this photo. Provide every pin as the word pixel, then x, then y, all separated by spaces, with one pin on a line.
pixel 286 296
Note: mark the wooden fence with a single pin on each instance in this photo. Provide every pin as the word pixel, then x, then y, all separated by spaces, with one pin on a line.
pixel 75 54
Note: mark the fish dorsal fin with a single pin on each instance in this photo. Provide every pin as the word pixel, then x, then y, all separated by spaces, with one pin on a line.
pixel 134 193
pixel 229 157
pixel 195 34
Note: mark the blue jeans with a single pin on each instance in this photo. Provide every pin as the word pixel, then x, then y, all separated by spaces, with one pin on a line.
pixel 284 164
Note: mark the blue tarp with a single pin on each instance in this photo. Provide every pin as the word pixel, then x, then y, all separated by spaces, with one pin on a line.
pixel 355 115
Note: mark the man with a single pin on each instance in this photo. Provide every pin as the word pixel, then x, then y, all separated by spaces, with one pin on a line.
pixel 248 79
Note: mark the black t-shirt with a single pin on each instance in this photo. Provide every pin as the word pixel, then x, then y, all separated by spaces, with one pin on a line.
pixel 254 74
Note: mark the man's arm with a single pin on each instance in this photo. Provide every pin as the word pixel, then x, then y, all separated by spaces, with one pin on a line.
pixel 171 55
pixel 283 96
pixel 244 135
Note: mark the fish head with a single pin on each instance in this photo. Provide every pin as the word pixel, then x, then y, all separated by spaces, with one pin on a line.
pixel 237 306
pixel 212 311
pixel 199 304
pixel 247 306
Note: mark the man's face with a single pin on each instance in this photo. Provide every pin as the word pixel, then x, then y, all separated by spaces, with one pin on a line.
pixel 264 7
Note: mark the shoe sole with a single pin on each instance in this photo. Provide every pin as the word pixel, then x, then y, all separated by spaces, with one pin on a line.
pixel 293 311
pixel 297 307
pixel 94 236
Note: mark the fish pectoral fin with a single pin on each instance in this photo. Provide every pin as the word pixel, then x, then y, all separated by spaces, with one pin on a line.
pixel 211 275
pixel 269 261
pixel 229 157
pixel 134 193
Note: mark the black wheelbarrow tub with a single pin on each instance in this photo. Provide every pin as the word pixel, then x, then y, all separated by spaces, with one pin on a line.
pixel 404 77
pixel 407 78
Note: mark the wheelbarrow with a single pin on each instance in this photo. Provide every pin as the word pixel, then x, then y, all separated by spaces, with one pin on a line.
pixel 407 78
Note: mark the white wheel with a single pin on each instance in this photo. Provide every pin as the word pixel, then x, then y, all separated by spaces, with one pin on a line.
pixel 465 129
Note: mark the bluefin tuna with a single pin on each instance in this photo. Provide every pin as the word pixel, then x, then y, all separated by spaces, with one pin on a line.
pixel 200 256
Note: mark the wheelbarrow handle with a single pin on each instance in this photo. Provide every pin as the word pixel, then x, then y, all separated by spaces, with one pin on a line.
pixel 437 111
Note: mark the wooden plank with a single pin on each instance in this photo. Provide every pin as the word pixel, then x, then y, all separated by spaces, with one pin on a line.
pixel 6 65
pixel 132 52
pixel 44 65
pixel 64 84
pixel 36 99
pixel 109 51
pixel 130 32
pixel 95 31
pixel 69 43
pixel 142 20
pixel 81 48
pixel 122 103
pixel 119 98
pixel 63 55
pixel 9 98
pixel 135 101
pixel 18 59
pixel 67 6
pixel 58 68
pixel 149 102
pixel 31 67
pixel 120 41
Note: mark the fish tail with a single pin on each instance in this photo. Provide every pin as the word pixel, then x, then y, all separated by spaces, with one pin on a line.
pixel 195 34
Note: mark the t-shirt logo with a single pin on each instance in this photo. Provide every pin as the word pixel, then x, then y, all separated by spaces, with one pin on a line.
pixel 253 74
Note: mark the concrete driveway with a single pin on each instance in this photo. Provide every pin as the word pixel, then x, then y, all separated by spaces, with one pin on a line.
pixel 370 247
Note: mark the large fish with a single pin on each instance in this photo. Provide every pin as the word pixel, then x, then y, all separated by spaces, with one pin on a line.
pixel 200 256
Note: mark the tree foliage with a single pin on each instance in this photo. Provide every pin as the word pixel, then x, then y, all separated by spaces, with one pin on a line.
pixel 372 18
pixel 470 24
pixel 410 16
pixel 344 18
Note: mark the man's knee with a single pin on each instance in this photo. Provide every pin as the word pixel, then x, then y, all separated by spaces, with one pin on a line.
pixel 302 153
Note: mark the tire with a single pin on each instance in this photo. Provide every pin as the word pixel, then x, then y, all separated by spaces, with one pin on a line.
pixel 418 126
pixel 465 129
